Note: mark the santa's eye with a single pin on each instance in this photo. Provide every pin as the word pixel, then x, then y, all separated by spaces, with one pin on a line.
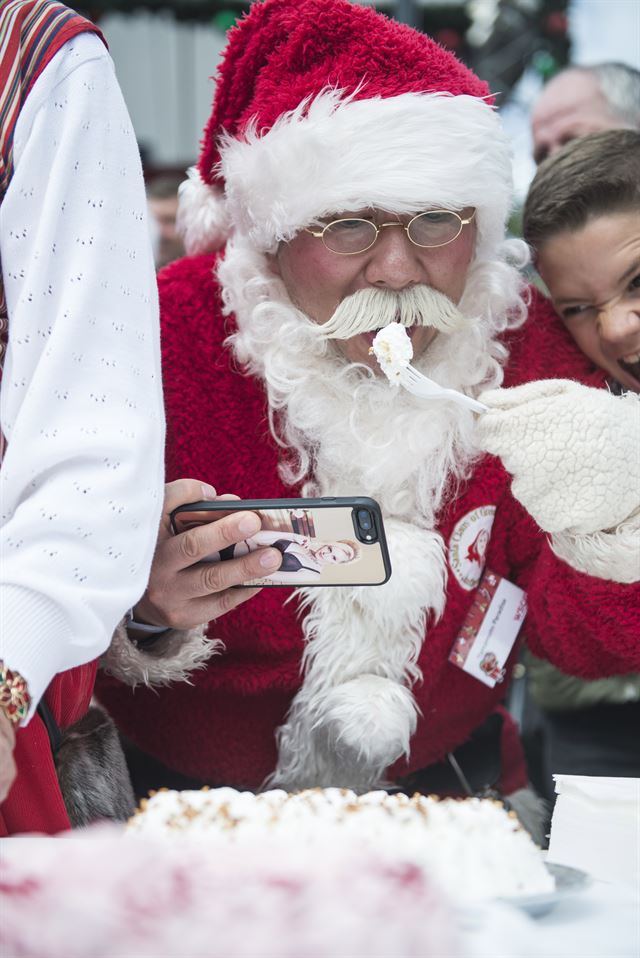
pixel 346 226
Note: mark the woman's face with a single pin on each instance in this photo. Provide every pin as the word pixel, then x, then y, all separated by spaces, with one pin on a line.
pixel 334 553
pixel 593 277
pixel 317 280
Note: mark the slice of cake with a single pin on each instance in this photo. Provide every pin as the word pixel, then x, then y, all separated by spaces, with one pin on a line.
pixel 472 848
pixel 393 350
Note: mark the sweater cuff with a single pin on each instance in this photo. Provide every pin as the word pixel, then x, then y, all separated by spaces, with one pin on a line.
pixel 32 629
pixel 613 555
pixel 171 658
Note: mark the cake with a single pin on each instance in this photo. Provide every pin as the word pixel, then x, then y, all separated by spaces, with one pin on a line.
pixel 393 350
pixel 472 848
pixel 322 874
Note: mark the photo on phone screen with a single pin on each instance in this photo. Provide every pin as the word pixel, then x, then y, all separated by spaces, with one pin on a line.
pixel 340 542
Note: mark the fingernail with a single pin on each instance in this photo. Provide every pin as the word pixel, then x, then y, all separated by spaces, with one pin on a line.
pixel 208 492
pixel 249 524
pixel 270 559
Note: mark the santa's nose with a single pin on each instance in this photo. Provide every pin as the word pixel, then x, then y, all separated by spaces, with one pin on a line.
pixel 394 261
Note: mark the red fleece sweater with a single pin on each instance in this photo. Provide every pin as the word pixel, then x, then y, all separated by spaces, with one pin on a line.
pixel 221 728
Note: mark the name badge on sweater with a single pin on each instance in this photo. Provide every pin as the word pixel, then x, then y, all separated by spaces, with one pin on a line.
pixel 490 629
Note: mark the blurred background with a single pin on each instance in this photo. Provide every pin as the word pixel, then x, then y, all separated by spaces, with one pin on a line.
pixel 166 52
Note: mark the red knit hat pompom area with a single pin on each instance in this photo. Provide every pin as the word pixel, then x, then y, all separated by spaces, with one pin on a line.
pixel 286 51
pixel 288 91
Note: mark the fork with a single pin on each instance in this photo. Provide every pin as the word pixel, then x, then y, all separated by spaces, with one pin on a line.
pixel 414 382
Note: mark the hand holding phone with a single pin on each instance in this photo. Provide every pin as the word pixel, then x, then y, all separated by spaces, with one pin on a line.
pixel 183 590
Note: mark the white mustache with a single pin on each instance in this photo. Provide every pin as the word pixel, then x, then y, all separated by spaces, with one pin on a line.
pixel 370 309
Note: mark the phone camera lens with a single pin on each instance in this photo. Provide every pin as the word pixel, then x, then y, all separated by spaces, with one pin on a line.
pixel 364 525
pixel 364 519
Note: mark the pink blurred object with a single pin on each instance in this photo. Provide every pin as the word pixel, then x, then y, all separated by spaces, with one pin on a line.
pixel 99 893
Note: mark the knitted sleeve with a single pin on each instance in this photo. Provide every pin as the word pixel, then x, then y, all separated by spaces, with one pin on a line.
pixel 81 396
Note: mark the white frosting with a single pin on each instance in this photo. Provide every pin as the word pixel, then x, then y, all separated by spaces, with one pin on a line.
pixel 393 350
pixel 473 848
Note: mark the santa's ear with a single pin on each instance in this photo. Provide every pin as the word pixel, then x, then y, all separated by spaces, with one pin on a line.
pixel 273 264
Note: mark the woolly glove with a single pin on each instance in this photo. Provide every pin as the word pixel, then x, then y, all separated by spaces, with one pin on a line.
pixel 573 452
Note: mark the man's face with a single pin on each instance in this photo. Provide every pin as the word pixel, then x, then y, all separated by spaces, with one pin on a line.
pixel 317 280
pixel 164 211
pixel 593 276
pixel 570 106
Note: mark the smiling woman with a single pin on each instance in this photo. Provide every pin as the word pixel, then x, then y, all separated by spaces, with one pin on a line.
pixel 582 219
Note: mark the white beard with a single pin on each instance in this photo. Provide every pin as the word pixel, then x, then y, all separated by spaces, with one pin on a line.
pixel 348 432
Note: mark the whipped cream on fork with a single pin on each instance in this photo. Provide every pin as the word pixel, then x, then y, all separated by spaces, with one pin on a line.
pixel 393 350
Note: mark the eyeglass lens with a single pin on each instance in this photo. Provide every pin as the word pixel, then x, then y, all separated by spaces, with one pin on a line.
pixel 349 236
pixel 433 228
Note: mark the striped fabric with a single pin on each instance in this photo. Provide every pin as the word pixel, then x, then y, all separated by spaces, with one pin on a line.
pixel 31 33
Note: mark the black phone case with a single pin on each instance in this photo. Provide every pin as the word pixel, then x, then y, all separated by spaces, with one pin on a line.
pixel 322 541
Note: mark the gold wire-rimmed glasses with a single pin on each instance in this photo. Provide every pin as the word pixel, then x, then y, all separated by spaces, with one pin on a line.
pixel 351 235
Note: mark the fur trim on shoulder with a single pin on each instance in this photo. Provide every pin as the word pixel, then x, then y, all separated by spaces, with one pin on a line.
pixel 171 658
pixel 202 219
pixel 608 555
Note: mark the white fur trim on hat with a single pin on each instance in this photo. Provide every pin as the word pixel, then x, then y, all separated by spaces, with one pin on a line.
pixel 202 220
pixel 403 153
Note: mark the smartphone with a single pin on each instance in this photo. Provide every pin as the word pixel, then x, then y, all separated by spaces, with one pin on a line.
pixel 329 541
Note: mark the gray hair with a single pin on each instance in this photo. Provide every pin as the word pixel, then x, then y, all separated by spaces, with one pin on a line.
pixel 620 86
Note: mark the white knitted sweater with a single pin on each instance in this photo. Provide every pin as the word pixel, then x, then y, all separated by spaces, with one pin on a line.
pixel 81 401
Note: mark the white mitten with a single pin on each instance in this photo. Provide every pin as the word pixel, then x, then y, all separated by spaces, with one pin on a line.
pixel 573 452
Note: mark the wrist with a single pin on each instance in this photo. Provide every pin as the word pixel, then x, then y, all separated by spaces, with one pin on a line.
pixel 14 695
pixel 136 619
pixel 142 634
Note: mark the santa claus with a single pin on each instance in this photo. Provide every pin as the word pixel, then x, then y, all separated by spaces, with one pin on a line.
pixel 354 173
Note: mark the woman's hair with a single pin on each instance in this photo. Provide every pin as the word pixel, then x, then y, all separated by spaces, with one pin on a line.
pixel 593 175
pixel 352 544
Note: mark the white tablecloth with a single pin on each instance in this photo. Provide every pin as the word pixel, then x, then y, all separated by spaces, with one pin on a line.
pixel 601 921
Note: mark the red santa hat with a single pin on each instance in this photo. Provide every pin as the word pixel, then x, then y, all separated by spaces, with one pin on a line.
pixel 323 106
